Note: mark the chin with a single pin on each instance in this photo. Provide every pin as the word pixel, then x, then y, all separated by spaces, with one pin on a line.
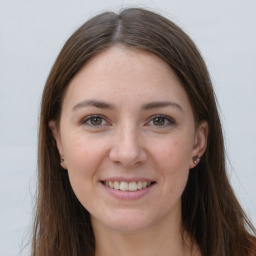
pixel 125 222
pixel 128 226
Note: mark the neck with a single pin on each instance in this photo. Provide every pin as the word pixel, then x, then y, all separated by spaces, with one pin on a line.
pixel 162 240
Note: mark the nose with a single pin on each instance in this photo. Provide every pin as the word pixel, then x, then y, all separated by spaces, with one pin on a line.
pixel 127 148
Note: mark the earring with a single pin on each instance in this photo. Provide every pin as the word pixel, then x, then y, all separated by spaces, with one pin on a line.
pixel 62 163
pixel 196 159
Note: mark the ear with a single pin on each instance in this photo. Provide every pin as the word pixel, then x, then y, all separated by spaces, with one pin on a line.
pixel 200 143
pixel 56 135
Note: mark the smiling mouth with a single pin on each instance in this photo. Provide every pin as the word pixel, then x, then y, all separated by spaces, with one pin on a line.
pixel 128 186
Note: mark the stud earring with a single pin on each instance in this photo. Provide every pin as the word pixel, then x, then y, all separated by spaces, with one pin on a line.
pixel 196 159
pixel 62 163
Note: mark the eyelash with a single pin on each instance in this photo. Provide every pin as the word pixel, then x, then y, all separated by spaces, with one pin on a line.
pixel 88 119
pixel 167 121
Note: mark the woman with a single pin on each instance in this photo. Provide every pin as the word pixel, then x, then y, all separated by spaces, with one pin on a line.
pixel 131 155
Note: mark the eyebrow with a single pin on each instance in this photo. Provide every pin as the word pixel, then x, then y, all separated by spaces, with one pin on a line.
pixel 106 105
pixel 94 103
pixel 161 104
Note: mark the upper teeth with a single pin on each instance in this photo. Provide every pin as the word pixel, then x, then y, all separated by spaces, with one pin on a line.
pixel 127 186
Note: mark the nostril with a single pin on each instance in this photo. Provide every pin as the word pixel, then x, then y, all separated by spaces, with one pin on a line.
pixel 127 149
pixel 128 159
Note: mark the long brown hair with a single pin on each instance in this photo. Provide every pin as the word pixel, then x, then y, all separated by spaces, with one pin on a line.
pixel 211 213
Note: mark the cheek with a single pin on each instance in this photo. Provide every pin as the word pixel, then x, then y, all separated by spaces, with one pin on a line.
pixel 172 164
pixel 82 153
pixel 83 158
pixel 173 154
pixel 83 161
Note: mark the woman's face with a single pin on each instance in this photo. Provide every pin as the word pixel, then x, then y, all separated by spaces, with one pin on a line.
pixel 128 138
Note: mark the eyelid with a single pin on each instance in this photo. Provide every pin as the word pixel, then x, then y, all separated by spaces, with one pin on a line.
pixel 170 120
pixel 89 117
pixel 167 118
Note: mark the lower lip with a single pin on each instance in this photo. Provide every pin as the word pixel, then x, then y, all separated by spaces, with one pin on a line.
pixel 128 195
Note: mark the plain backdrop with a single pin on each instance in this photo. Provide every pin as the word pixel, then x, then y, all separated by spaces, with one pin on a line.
pixel 33 32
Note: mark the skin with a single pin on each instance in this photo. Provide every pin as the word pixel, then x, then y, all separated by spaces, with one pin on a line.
pixel 132 139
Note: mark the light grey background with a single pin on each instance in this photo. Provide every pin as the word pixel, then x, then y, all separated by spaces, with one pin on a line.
pixel 33 32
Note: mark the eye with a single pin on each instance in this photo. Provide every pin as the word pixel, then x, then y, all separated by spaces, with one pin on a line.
pixel 94 120
pixel 161 121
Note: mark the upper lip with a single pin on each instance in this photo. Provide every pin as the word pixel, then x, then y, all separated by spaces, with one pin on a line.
pixel 126 179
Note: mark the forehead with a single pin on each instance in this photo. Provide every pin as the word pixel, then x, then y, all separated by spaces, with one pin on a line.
pixel 125 75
